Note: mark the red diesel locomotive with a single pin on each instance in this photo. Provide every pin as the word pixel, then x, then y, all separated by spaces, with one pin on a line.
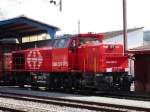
pixel 73 62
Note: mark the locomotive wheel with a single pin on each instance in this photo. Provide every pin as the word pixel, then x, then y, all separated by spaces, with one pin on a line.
pixel 21 85
pixel 34 87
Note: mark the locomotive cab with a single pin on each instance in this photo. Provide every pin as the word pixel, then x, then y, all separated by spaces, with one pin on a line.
pixel 94 64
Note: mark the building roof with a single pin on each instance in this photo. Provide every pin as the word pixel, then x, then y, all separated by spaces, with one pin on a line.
pixel 145 49
pixel 119 32
pixel 24 26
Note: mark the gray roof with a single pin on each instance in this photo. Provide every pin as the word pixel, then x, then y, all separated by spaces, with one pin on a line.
pixel 111 34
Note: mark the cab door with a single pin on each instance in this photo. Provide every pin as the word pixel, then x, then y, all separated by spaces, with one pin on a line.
pixel 73 63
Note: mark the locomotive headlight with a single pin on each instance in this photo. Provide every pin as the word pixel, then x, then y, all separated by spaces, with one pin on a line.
pixel 108 69
pixel 126 69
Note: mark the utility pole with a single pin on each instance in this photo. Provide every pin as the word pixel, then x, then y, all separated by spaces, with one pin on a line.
pixel 78 26
pixel 60 5
pixel 125 25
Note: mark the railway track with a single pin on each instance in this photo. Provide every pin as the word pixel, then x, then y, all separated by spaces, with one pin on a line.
pixel 121 95
pixel 96 106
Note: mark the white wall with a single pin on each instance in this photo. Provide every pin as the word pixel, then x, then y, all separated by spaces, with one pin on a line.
pixel 135 39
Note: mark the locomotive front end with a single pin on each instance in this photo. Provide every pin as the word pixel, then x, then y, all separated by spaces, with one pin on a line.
pixel 105 65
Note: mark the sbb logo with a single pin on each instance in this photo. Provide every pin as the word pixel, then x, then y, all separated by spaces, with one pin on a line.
pixel 34 59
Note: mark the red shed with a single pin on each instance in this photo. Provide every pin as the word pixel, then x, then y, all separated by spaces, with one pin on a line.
pixel 142 68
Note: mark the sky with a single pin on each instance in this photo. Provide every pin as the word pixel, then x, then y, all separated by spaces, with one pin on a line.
pixel 94 15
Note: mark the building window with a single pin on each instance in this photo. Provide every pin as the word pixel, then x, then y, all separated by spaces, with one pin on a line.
pixel 34 38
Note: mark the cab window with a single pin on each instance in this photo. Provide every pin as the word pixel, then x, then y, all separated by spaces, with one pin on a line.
pixel 61 43
pixel 88 40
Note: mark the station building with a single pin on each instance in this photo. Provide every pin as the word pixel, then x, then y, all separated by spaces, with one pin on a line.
pixel 15 34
